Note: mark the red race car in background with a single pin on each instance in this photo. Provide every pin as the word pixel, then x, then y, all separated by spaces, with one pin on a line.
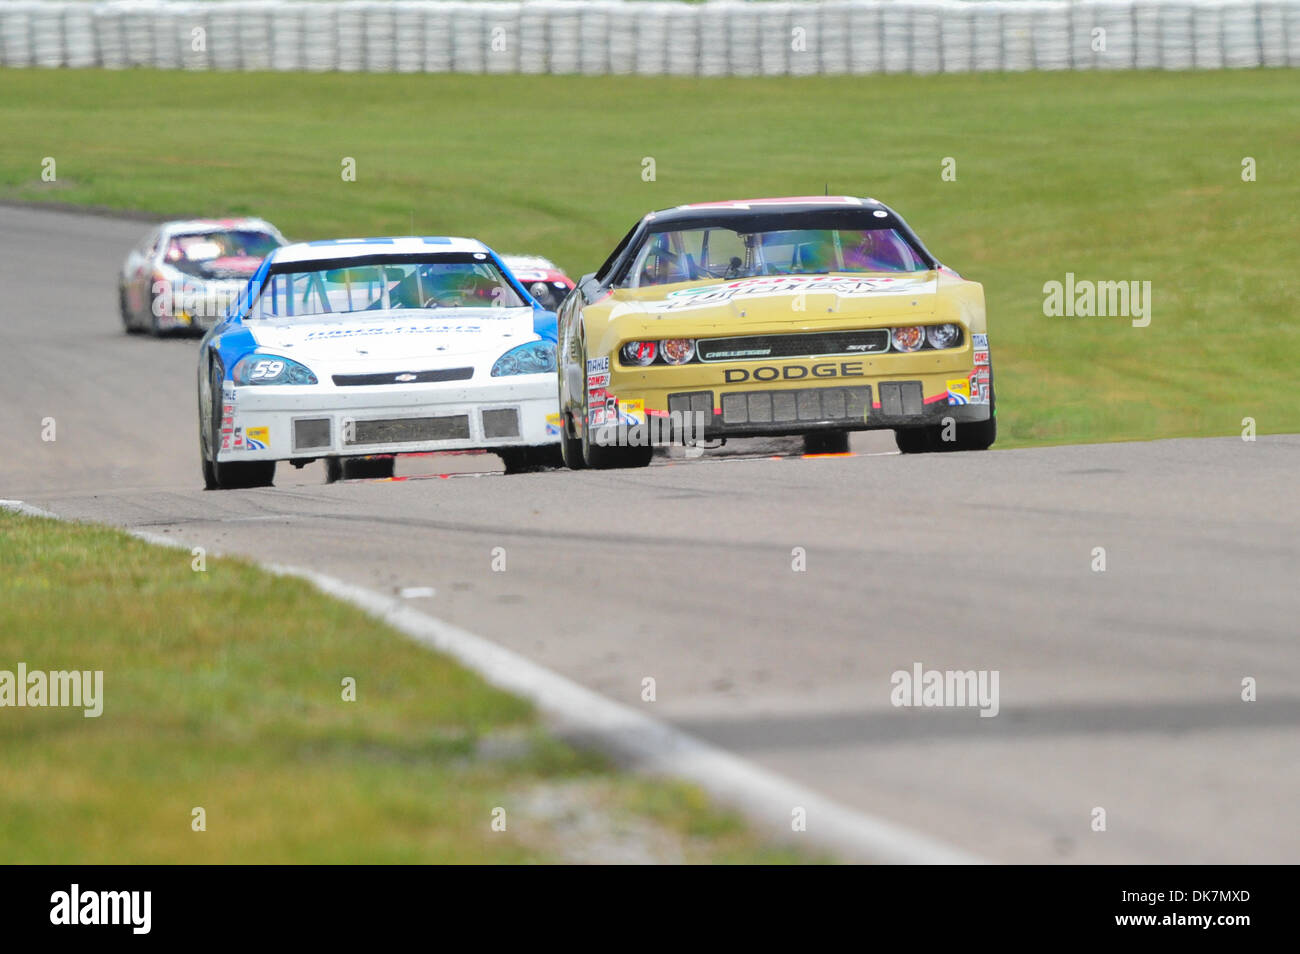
pixel 541 277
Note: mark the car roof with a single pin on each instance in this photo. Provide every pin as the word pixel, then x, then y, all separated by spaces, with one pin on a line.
pixel 527 262
pixel 398 245
pixel 217 225
pixel 741 208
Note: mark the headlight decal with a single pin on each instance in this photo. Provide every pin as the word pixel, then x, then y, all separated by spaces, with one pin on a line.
pixel 270 369
pixel 536 357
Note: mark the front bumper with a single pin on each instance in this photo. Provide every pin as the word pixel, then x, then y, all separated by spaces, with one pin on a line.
pixel 294 422
pixel 696 402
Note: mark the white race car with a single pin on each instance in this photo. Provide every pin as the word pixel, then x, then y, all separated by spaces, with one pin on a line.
pixel 183 276
pixel 358 349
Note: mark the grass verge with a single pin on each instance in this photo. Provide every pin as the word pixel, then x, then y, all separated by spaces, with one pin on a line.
pixel 1114 176
pixel 223 691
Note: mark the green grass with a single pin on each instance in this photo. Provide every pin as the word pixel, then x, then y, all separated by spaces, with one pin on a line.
pixel 222 690
pixel 1112 176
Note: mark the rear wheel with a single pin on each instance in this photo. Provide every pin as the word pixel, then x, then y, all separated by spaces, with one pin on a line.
pixel 826 442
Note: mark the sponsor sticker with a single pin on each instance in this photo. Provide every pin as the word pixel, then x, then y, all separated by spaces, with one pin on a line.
pixel 980 342
pixel 632 412
pixel 703 296
pixel 257 438
pixel 239 439
pixel 553 425
pixel 598 380
pixel 447 329
pixel 959 391
pixel 598 365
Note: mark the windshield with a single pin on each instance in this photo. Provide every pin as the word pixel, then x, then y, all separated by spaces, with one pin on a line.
pixel 719 252
pixel 382 284
pixel 209 254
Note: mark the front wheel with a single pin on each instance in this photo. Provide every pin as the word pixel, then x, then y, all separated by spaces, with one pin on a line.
pixel 570 447
pixel 359 468
pixel 527 460
pixel 826 442
pixel 604 457
pixel 974 436
pixel 124 310
pixel 229 475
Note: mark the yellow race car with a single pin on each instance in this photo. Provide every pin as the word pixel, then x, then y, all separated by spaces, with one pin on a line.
pixel 813 316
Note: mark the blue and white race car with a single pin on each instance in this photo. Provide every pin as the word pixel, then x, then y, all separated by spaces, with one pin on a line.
pixel 355 350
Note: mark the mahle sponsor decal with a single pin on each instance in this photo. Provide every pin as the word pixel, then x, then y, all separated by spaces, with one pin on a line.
pixel 795 372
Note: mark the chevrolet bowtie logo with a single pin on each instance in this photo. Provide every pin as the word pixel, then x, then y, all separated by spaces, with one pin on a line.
pixel 403 378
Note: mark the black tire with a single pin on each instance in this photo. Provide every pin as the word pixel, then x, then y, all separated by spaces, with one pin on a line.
pixel 527 460
pixel 154 328
pixel 209 472
pixel 979 435
pixel 570 447
pixel 598 457
pixel 972 436
pixel 914 440
pixel 608 458
pixel 127 324
pixel 229 475
pixel 359 468
pixel 826 442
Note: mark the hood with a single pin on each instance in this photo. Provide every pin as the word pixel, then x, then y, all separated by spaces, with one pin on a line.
pixel 408 335
pixel 785 297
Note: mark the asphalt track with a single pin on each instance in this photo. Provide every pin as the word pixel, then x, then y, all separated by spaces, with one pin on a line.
pixel 1118 689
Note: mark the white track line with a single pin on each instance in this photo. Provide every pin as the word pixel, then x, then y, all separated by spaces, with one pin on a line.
pixel 631 736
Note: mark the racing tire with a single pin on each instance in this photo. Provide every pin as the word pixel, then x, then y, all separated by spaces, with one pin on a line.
pixel 977 436
pixel 826 442
pixel 973 436
pixel 236 475
pixel 913 440
pixel 155 329
pixel 127 324
pixel 527 460
pixel 244 475
pixel 608 458
pixel 612 458
pixel 570 447
pixel 617 458
pixel 209 472
pixel 359 468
